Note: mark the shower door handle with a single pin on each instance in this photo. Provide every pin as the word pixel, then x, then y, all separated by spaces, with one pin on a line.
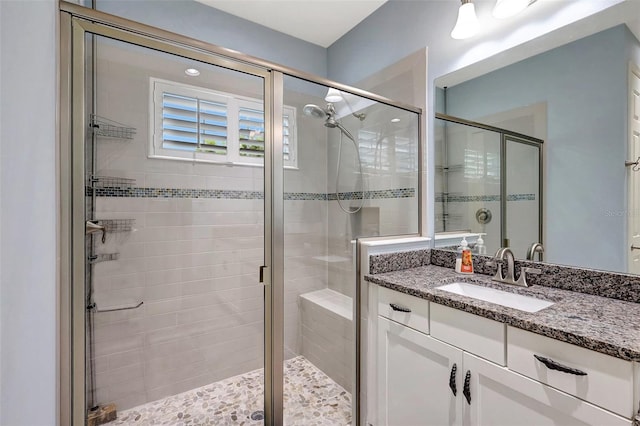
pixel 263 270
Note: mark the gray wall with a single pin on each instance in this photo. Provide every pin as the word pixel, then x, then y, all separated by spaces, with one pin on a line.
pixel 400 27
pixel 584 85
pixel 205 23
pixel 28 219
pixel 27 181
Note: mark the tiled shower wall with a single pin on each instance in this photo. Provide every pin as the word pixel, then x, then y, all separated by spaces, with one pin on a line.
pixel 390 181
pixel 194 251
pixel 196 245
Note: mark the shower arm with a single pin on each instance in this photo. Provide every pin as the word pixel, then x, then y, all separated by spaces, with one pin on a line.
pixel 360 116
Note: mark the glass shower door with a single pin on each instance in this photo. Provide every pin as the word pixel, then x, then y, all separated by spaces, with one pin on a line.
pixel 523 205
pixel 174 190
pixel 468 181
pixel 203 205
pixel 351 171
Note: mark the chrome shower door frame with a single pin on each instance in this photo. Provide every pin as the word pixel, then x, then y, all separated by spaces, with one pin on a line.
pixel 73 131
pixel 77 21
pixel 505 137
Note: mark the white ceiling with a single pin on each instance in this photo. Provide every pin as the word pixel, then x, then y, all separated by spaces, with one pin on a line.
pixel 320 22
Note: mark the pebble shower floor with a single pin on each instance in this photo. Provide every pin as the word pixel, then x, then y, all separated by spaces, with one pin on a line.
pixel 310 398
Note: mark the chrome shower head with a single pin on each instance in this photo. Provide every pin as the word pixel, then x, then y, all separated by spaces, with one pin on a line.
pixel 314 111
pixel 329 115
pixel 331 122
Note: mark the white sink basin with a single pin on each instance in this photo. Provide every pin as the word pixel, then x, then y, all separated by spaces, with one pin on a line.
pixel 499 297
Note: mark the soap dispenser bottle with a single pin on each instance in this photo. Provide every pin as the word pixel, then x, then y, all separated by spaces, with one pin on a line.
pixel 480 247
pixel 464 261
pixel 459 258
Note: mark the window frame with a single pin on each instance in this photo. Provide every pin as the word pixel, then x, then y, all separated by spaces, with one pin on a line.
pixel 158 87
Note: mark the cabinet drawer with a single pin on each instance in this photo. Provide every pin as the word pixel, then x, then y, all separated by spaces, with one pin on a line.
pixel 473 333
pixel 608 382
pixel 501 397
pixel 418 315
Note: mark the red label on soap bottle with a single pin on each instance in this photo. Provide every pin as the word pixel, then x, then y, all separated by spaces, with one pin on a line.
pixel 467 263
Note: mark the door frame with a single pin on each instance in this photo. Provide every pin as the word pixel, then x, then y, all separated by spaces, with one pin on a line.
pixel 508 135
pixel 75 22
pixel 634 70
pixel 504 145
pixel 73 302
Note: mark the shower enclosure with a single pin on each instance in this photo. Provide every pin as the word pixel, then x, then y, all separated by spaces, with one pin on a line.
pixel 210 216
pixel 488 181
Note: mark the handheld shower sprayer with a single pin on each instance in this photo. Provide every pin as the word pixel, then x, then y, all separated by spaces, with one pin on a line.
pixel 330 121
pixel 329 115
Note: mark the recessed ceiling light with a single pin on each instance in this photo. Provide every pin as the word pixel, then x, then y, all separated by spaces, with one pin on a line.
pixel 395 120
pixel 192 72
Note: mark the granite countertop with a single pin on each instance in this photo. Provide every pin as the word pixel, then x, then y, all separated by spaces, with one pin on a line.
pixel 598 323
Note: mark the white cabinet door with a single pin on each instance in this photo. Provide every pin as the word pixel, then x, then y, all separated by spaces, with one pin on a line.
pixel 500 397
pixel 414 372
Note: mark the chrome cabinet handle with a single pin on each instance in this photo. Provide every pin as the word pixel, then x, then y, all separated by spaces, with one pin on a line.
pixel 554 365
pixel 466 391
pixel 452 380
pixel 399 308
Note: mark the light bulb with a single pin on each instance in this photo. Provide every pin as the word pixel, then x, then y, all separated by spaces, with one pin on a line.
pixel 192 72
pixel 333 95
pixel 467 24
pixel 507 8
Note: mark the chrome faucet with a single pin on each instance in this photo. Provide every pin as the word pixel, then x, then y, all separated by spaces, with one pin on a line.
pixel 535 248
pixel 499 258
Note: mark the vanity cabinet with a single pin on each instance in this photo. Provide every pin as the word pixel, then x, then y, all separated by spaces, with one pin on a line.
pixel 418 378
pixel 501 397
pixel 457 369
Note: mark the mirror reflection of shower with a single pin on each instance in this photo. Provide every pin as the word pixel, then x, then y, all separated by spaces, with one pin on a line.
pixel 329 115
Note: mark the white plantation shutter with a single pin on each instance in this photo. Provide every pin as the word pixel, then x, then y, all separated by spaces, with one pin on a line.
pixel 204 125
pixel 190 124
pixel 480 164
pixel 251 131
pixel 213 127
pixel 288 121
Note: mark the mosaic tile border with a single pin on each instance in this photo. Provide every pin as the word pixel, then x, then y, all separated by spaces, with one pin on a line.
pixel 123 192
pixel 476 198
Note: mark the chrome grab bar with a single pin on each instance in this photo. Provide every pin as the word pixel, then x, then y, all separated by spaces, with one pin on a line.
pixel 93 307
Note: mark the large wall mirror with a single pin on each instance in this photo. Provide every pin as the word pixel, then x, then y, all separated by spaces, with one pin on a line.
pixel 582 99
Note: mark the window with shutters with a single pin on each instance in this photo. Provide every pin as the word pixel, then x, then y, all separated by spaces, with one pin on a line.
pixel 193 123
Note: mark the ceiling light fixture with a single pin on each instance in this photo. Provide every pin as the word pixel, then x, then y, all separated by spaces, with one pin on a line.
pixel 395 120
pixel 507 8
pixel 192 72
pixel 333 95
pixel 467 24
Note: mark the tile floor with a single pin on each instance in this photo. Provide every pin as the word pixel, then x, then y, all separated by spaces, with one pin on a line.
pixel 310 398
